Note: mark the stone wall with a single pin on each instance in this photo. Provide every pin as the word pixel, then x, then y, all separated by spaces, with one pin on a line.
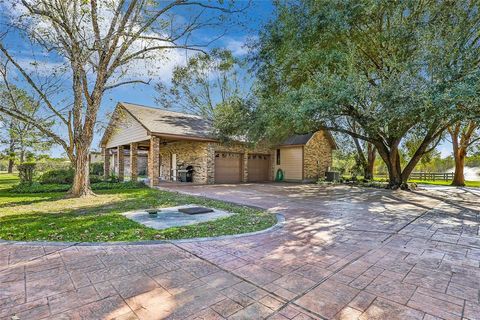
pixel 317 156
pixel 193 153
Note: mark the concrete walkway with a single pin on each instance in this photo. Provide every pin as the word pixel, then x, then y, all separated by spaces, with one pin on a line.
pixel 344 253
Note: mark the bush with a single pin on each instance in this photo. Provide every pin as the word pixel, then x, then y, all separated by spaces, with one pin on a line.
pixel 26 171
pixel 39 188
pixel 95 178
pixel 57 176
pixel 96 168
pixel 44 188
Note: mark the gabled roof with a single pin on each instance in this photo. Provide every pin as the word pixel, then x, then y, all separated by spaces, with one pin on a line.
pixel 161 121
pixel 167 123
pixel 302 139
pixel 298 139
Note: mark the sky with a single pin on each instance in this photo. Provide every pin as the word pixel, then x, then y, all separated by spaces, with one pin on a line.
pixel 252 20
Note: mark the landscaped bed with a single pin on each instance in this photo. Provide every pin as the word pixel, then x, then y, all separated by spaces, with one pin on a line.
pixel 53 217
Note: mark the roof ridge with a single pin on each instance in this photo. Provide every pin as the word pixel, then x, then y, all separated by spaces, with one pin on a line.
pixel 161 109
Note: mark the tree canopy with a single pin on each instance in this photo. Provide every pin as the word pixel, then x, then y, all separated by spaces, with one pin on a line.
pixel 394 68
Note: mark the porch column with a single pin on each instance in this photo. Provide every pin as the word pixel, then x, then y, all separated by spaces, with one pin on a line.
pixel 133 161
pixel 120 163
pixel 106 162
pixel 154 161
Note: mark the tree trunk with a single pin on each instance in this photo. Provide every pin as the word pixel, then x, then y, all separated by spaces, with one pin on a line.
pixel 81 179
pixel 371 154
pixel 10 165
pixel 391 157
pixel 458 177
pixel 11 156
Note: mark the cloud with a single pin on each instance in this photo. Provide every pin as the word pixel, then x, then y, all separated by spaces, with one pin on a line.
pixel 155 65
pixel 238 46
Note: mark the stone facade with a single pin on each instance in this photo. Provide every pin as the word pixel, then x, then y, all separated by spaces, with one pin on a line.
pixel 154 161
pixel 317 156
pixel 188 153
pixel 133 161
pixel 106 162
pixel 120 163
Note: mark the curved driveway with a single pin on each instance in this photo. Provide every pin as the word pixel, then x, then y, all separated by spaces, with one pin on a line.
pixel 343 253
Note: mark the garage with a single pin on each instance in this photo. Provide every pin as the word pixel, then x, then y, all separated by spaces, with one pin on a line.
pixel 228 167
pixel 258 167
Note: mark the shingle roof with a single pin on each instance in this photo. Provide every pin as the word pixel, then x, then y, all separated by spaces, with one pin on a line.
pixel 170 122
pixel 298 139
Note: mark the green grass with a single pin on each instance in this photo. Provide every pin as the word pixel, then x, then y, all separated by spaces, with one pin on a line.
pixel 53 217
pixel 475 184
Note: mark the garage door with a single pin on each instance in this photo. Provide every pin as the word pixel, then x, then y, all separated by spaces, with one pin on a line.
pixel 291 162
pixel 228 167
pixel 258 167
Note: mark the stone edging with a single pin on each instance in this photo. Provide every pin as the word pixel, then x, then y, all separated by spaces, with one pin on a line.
pixel 280 223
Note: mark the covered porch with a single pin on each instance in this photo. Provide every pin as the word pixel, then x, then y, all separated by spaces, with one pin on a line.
pixel 159 159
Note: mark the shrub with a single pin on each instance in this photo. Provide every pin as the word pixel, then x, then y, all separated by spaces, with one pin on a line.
pixel 95 178
pixel 57 176
pixel 26 171
pixel 45 188
pixel 96 168
pixel 39 188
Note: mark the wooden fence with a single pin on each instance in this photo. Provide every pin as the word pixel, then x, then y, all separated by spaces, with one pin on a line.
pixel 433 176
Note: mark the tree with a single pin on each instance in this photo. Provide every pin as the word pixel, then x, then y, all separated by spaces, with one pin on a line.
pixel 205 82
pixel 464 136
pixel 20 137
pixel 393 68
pixel 98 42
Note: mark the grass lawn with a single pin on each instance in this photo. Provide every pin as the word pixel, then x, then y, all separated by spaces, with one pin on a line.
pixel 446 183
pixel 52 217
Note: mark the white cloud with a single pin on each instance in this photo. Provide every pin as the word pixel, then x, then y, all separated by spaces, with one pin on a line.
pixel 238 46
pixel 157 64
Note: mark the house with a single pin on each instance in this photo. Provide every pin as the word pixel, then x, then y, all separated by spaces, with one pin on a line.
pixel 171 142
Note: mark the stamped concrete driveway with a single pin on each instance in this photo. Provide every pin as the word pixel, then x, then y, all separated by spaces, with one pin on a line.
pixel 343 253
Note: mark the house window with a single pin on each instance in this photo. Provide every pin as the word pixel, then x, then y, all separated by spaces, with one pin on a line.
pixel 278 157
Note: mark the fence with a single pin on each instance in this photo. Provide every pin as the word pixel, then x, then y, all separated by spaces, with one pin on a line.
pixel 433 176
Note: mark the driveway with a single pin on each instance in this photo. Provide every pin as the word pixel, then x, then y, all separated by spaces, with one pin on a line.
pixel 343 253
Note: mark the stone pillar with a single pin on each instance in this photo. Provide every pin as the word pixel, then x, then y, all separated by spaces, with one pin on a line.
pixel 133 161
pixel 106 163
pixel 120 163
pixel 154 161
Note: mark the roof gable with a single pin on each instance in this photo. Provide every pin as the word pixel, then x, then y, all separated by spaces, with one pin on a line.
pixel 161 121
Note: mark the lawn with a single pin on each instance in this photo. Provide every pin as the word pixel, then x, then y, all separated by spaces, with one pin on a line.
pixel 53 217
pixel 446 183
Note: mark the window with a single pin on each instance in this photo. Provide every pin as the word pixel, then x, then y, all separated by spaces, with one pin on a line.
pixel 278 157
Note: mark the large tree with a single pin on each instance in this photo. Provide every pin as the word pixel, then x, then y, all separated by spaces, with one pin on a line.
pixel 97 42
pixel 392 67
pixel 21 138
pixel 205 82
pixel 464 135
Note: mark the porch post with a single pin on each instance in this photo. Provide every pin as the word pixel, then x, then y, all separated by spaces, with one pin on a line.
pixel 120 163
pixel 106 162
pixel 154 161
pixel 133 161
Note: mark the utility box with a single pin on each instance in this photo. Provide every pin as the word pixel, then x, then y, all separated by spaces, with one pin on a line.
pixel 332 176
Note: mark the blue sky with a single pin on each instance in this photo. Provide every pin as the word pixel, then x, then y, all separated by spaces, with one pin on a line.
pixel 251 20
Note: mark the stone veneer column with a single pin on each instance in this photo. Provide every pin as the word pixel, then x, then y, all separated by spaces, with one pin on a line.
pixel 154 161
pixel 120 163
pixel 106 163
pixel 134 161
pixel 245 167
